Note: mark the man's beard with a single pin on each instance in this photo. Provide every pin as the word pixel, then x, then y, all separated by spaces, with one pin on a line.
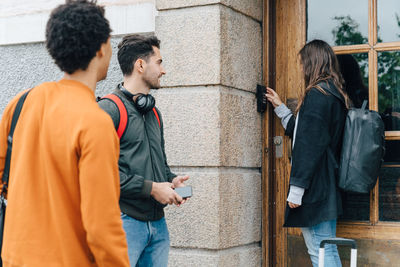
pixel 153 85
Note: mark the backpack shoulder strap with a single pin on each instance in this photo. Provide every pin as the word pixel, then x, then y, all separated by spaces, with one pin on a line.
pixel 123 114
pixel 158 117
pixel 17 112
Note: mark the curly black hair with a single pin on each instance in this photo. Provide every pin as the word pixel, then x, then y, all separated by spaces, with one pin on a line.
pixel 135 46
pixel 75 32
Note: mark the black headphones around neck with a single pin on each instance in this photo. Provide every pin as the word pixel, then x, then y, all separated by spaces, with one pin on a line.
pixel 143 103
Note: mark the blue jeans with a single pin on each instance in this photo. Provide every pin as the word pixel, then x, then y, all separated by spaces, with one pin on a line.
pixel 314 235
pixel 148 242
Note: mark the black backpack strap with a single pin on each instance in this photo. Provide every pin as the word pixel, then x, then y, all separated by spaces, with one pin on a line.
pixel 364 104
pixel 14 121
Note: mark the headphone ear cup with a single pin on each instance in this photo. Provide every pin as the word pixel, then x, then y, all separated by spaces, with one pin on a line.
pixel 145 103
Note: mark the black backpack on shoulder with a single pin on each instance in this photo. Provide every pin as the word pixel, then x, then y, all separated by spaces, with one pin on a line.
pixel 363 149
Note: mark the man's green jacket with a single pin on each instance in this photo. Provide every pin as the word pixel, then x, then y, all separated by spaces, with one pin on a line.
pixel 142 159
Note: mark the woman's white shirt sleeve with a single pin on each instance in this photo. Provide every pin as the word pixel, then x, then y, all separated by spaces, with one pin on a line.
pixel 295 194
pixel 284 113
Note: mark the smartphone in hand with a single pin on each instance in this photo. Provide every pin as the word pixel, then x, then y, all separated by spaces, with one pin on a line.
pixel 184 192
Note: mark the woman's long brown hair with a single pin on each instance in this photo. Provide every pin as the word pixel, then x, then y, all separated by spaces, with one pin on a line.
pixel 320 64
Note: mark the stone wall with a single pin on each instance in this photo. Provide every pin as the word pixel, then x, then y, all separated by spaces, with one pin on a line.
pixel 26 65
pixel 212 54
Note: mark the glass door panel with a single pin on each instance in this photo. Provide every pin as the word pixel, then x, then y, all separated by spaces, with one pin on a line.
pixel 389 194
pixel 356 207
pixel 354 69
pixel 388 20
pixel 339 22
pixel 389 89
pixel 389 183
pixel 392 152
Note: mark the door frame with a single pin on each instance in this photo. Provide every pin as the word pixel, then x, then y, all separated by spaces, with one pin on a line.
pixel 284 33
pixel 268 36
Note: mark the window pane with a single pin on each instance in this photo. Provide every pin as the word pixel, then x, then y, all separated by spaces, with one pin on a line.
pixel 389 194
pixel 354 69
pixel 388 20
pixel 389 89
pixel 392 153
pixel 340 22
pixel 355 207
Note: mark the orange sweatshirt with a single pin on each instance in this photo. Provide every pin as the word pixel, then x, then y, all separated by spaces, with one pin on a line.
pixel 64 186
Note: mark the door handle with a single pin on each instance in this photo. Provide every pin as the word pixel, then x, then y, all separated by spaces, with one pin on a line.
pixel 278 143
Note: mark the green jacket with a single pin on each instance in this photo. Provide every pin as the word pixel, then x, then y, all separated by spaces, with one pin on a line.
pixel 142 160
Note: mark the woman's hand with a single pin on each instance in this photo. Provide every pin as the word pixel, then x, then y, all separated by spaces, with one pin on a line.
pixel 292 205
pixel 273 97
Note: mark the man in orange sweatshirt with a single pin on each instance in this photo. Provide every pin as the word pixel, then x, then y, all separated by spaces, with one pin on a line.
pixel 64 186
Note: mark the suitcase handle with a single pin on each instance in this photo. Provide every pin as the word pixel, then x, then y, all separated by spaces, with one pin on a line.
pixel 338 241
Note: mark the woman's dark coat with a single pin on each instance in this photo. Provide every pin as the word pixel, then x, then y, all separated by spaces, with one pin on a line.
pixel 320 127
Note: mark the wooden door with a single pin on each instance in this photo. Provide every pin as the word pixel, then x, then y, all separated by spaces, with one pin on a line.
pixel 366 32
pixel 289 39
pixel 284 35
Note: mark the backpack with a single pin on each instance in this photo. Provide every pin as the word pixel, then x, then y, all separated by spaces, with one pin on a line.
pixel 123 114
pixel 363 149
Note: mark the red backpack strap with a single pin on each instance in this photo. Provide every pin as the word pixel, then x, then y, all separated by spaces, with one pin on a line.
pixel 158 118
pixel 123 114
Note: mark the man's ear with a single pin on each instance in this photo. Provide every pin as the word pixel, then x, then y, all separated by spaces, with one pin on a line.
pixel 140 65
pixel 102 51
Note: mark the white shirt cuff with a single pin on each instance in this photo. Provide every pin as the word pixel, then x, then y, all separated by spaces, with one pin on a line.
pixel 295 194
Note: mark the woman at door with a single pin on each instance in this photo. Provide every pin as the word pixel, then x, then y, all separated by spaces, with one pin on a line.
pixel 313 201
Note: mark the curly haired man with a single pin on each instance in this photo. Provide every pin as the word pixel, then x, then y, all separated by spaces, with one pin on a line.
pixel 64 187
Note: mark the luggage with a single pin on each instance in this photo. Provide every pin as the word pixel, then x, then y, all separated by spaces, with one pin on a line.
pixel 338 241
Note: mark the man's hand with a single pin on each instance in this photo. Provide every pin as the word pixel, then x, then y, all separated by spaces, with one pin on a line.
pixel 178 181
pixel 165 194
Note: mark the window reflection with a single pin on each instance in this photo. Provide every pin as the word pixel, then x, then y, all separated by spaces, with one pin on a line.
pixel 389 194
pixel 389 89
pixel 339 22
pixel 392 152
pixel 388 20
pixel 354 69
pixel 355 207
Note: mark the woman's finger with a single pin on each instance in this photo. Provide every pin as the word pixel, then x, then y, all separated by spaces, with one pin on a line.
pixel 271 91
